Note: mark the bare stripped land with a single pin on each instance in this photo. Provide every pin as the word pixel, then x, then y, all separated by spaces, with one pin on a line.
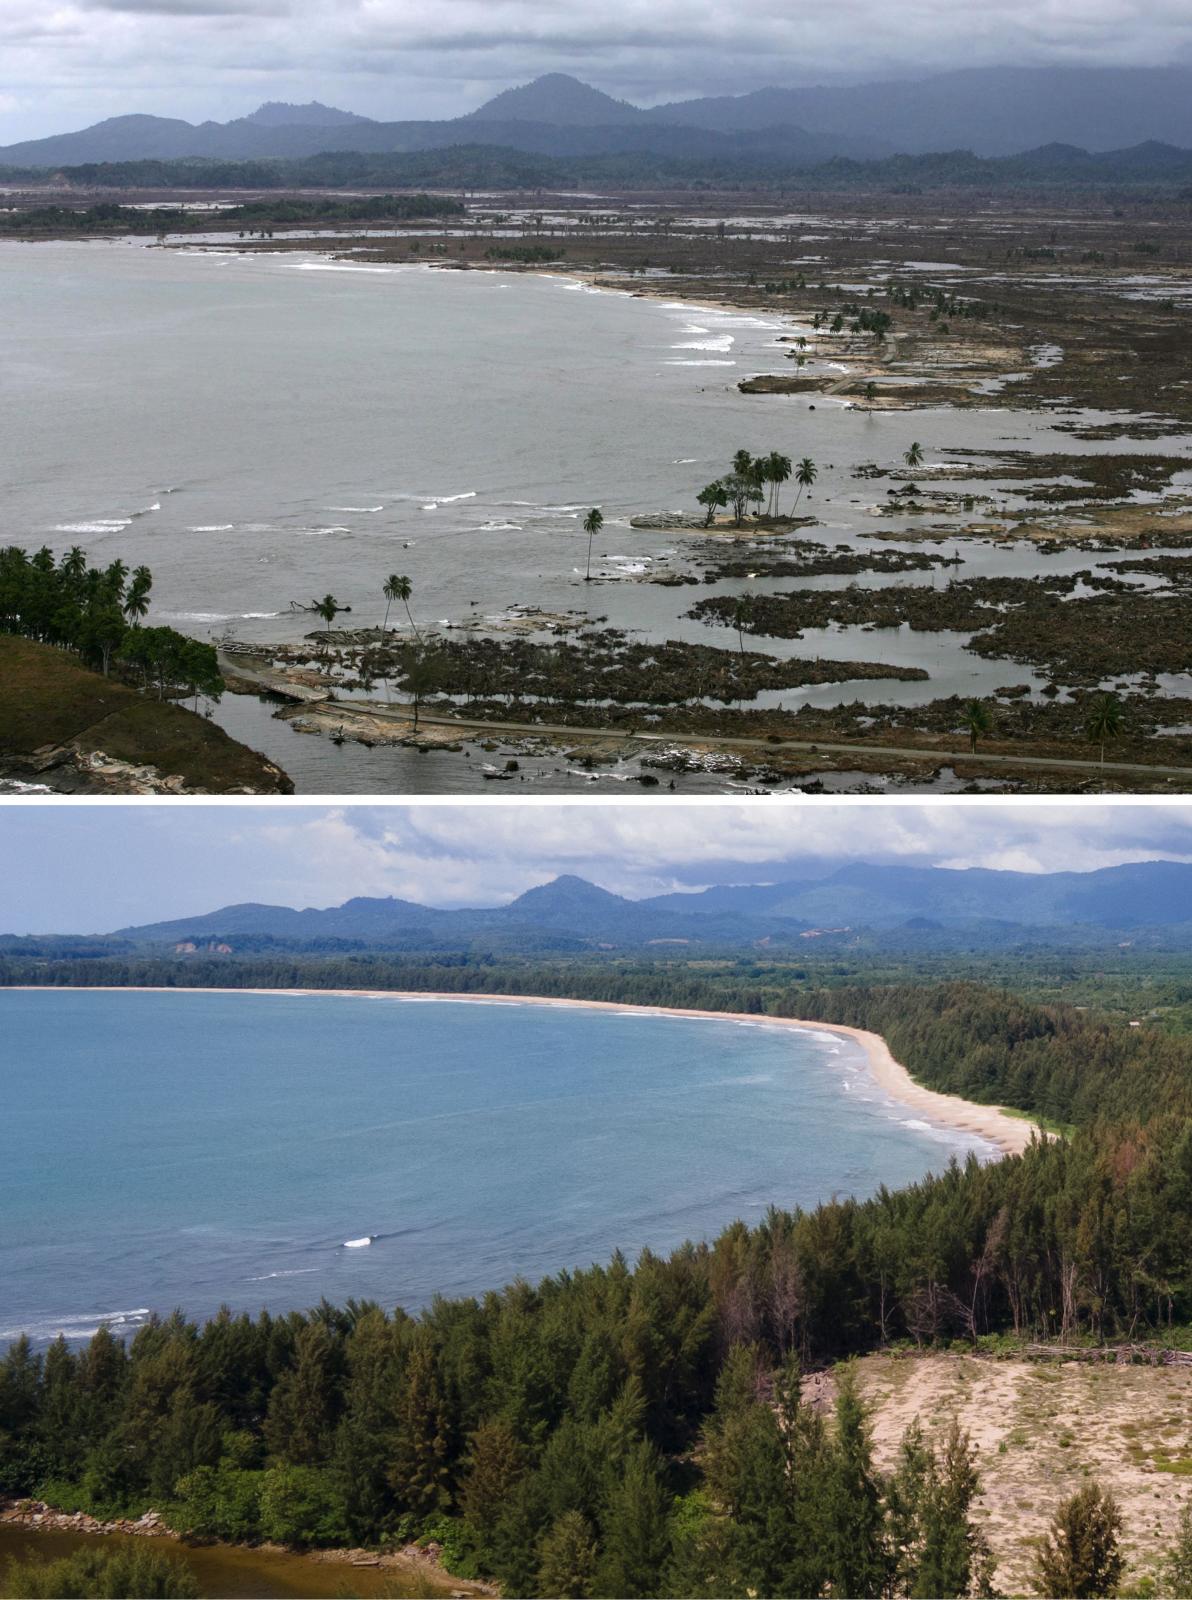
pixel 1074 311
pixel 1041 1430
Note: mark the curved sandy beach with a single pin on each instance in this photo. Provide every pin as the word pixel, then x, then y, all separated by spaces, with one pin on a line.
pixel 1009 1134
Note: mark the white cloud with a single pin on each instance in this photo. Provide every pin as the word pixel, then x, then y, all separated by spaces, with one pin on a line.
pixel 467 855
pixel 72 868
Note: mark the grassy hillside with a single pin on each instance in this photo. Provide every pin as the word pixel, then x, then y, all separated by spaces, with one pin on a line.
pixel 50 703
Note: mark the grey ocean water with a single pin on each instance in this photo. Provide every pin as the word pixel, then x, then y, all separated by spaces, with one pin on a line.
pixel 194 1149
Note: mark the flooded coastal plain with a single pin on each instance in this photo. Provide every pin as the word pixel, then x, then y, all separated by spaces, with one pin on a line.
pixel 265 424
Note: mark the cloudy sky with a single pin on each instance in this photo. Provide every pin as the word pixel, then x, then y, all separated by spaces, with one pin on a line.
pixel 67 63
pixel 77 868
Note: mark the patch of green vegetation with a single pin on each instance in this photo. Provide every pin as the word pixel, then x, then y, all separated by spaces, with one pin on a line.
pixel 1062 1130
pixel 47 699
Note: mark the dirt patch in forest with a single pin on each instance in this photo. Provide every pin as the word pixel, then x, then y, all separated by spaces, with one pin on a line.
pixel 1041 1430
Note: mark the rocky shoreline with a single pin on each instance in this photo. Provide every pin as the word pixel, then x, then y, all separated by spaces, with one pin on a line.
pixel 36 1514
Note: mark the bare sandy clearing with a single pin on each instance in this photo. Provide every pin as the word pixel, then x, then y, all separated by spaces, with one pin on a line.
pixel 1041 1430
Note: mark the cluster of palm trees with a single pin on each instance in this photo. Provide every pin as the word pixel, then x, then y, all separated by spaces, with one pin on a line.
pixel 71 603
pixel 98 612
pixel 396 587
pixel 754 481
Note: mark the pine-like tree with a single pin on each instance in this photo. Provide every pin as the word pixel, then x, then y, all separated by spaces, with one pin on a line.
pixel 854 1536
pixel 420 1474
pixel 1079 1557
pixel 567 1558
pixel 635 1527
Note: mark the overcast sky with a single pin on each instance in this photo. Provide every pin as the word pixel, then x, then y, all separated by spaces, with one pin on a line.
pixel 89 869
pixel 67 63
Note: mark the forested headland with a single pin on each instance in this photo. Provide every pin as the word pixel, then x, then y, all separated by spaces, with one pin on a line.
pixel 635 1428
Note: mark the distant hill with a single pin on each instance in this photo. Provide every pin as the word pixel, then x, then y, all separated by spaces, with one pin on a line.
pixel 280 114
pixel 991 111
pixel 560 99
pixel 518 121
pixel 684 160
pixel 986 111
pixel 928 906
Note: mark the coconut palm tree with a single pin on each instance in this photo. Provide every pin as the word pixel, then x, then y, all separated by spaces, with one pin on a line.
pixel 978 722
pixel 398 587
pixel 805 475
pixel 136 601
pixel 778 470
pixel 593 523
pixel 914 456
pixel 328 608
pixel 1105 721
pixel 114 578
pixel 742 611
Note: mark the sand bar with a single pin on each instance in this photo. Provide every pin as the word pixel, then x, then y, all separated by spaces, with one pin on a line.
pixel 1009 1134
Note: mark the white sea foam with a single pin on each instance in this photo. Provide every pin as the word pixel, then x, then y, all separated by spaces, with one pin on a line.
pixel 358 1244
pixel 81 1325
pixel 354 508
pixel 289 1272
pixel 219 616
pixel 676 361
pixel 100 525
pixel 723 342
pixel 448 500
pixel 335 266
pixel 213 527
pixel 914 1122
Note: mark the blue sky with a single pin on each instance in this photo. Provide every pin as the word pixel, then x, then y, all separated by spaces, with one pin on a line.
pixel 90 868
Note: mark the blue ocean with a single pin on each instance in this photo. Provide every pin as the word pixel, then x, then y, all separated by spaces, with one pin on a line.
pixel 192 1149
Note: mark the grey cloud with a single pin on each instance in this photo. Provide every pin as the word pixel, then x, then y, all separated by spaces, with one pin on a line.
pixel 190 8
pixel 443 57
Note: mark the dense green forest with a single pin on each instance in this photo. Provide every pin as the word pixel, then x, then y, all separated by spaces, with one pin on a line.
pixel 635 1429
pixel 108 217
pixel 96 613
pixel 1149 168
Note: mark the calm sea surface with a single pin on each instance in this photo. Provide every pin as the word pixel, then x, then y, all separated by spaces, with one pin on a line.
pixel 191 1149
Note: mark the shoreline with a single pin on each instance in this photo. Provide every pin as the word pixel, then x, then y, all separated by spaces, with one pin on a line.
pixel 1010 1135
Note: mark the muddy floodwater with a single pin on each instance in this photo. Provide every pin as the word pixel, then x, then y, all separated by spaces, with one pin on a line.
pixel 224 1570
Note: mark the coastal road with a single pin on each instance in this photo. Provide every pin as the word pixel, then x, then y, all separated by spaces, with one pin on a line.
pixel 995 760
pixel 812 747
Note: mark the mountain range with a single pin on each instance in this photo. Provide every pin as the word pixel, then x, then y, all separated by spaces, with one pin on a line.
pixel 988 111
pixel 827 901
